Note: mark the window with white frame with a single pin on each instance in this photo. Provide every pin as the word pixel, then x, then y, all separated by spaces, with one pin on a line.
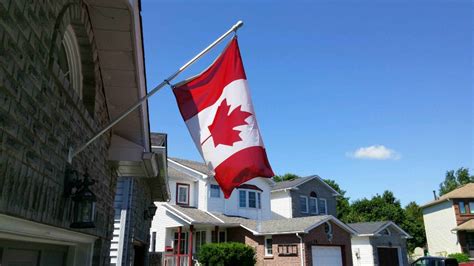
pixel 250 199
pixel 70 60
pixel 313 205
pixel 200 239
pixel 268 246
pixel 242 198
pixel 182 194
pixel 215 191
pixel 304 204
pixel 322 206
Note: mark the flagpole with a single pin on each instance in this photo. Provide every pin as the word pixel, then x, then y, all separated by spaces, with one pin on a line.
pixel 73 152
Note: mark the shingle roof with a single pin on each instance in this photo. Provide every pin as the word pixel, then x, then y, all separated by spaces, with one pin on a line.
pixel 291 183
pixel 368 227
pixel 158 139
pixel 466 226
pixel 276 226
pixel 197 216
pixel 198 166
pixel 466 191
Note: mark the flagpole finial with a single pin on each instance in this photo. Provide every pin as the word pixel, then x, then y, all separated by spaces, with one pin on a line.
pixel 237 25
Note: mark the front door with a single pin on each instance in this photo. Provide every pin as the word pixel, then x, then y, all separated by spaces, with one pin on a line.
pixel 470 243
pixel 388 256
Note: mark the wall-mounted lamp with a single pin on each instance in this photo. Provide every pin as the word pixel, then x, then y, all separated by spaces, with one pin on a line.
pixel 84 199
pixel 150 211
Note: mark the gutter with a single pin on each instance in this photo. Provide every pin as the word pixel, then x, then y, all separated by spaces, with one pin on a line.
pixel 301 249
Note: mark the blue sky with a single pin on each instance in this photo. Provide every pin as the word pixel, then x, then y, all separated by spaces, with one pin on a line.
pixel 334 84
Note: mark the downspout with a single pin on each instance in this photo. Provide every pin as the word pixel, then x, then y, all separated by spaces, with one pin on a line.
pixel 301 249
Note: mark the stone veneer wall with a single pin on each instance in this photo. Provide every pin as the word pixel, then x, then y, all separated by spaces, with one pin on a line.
pixel 41 116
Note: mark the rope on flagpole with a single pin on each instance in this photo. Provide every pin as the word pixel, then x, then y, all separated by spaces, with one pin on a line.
pixel 73 152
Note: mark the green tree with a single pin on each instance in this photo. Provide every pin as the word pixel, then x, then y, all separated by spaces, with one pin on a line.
pixel 285 177
pixel 383 207
pixel 454 180
pixel 414 226
pixel 343 205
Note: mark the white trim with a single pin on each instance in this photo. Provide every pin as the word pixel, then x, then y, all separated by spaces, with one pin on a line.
pixel 335 193
pixel 81 246
pixel 317 207
pixel 187 187
pixel 73 58
pixel 325 205
pixel 390 223
pixel 201 175
pixel 265 247
pixel 181 215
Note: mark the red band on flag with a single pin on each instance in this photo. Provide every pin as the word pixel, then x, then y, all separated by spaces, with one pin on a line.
pixel 195 95
pixel 242 166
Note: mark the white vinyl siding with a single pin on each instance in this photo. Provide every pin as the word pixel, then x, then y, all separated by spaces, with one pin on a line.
pixel 362 251
pixel 215 191
pixel 439 220
pixel 281 204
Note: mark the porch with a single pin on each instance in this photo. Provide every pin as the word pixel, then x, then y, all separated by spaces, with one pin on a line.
pixel 465 232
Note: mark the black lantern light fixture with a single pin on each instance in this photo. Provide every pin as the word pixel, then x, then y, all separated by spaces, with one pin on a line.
pixel 150 211
pixel 83 198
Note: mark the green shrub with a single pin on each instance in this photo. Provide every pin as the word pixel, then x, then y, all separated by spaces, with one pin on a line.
pixel 226 254
pixel 460 257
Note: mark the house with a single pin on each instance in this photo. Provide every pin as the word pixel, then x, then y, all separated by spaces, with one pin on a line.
pixel 197 213
pixel 379 243
pixel 449 222
pixel 305 196
pixel 66 69
pixel 134 209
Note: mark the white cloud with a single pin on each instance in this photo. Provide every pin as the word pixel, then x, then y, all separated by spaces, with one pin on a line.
pixel 374 152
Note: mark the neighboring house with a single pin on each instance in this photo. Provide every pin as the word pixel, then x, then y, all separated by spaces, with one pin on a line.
pixel 379 243
pixel 310 196
pixel 305 196
pixel 66 69
pixel 449 222
pixel 134 209
pixel 197 213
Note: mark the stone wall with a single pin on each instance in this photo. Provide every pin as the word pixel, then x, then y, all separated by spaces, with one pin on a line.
pixel 41 116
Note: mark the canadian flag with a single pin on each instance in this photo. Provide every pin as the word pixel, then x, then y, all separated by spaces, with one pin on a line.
pixel 218 112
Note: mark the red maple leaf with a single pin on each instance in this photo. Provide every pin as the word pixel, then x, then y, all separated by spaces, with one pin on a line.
pixel 222 128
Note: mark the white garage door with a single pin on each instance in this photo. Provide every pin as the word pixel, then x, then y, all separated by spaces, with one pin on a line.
pixel 326 256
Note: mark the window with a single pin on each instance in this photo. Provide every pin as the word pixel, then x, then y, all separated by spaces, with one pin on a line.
pixel 313 205
pixel 243 198
pixel 221 236
pixel 471 207
pixel 288 250
pixel 304 204
pixel 153 242
pixel 183 245
pixel 268 246
pixel 252 199
pixel 182 194
pixel 462 208
pixel 322 206
pixel 70 60
pixel 215 191
pixel 200 239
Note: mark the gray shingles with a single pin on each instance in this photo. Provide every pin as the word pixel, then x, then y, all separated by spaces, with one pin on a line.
pixel 291 183
pixel 199 217
pixel 368 227
pixel 198 166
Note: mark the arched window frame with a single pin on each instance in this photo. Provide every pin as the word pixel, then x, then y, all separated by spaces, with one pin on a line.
pixel 73 55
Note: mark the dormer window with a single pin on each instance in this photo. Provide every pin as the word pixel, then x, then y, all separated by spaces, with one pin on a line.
pixel 182 194
pixel 215 191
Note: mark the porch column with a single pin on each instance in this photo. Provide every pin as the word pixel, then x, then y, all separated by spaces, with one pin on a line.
pixel 190 252
pixel 179 247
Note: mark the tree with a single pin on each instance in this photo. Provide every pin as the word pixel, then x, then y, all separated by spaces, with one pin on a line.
pixel 454 180
pixel 285 177
pixel 343 205
pixel 414 226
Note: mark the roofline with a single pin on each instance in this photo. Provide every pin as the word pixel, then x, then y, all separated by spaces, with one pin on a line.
pixel 203 176
pixel 181 215
pixel 396 226
pixel 334 219
pixel 435 202
pixel 335 193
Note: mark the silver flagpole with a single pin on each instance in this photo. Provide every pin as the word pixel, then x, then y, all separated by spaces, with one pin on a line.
pixel 74 152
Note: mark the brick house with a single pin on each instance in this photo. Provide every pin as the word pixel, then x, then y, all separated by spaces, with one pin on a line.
pixel 197 213
pixel 449 222
pixel 66 69
pixel 373 243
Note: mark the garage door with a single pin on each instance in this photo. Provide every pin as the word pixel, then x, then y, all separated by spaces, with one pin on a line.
pixel 326 256
pixel 388 256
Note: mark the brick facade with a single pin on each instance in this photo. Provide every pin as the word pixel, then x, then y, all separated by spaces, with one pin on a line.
pixel 41 116
pixel 316 236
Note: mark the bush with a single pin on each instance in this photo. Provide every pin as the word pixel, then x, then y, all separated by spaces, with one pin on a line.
pixel 226 254
pixel 460 257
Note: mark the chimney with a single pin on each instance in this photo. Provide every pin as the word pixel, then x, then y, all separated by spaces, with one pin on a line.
pixel 434 194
